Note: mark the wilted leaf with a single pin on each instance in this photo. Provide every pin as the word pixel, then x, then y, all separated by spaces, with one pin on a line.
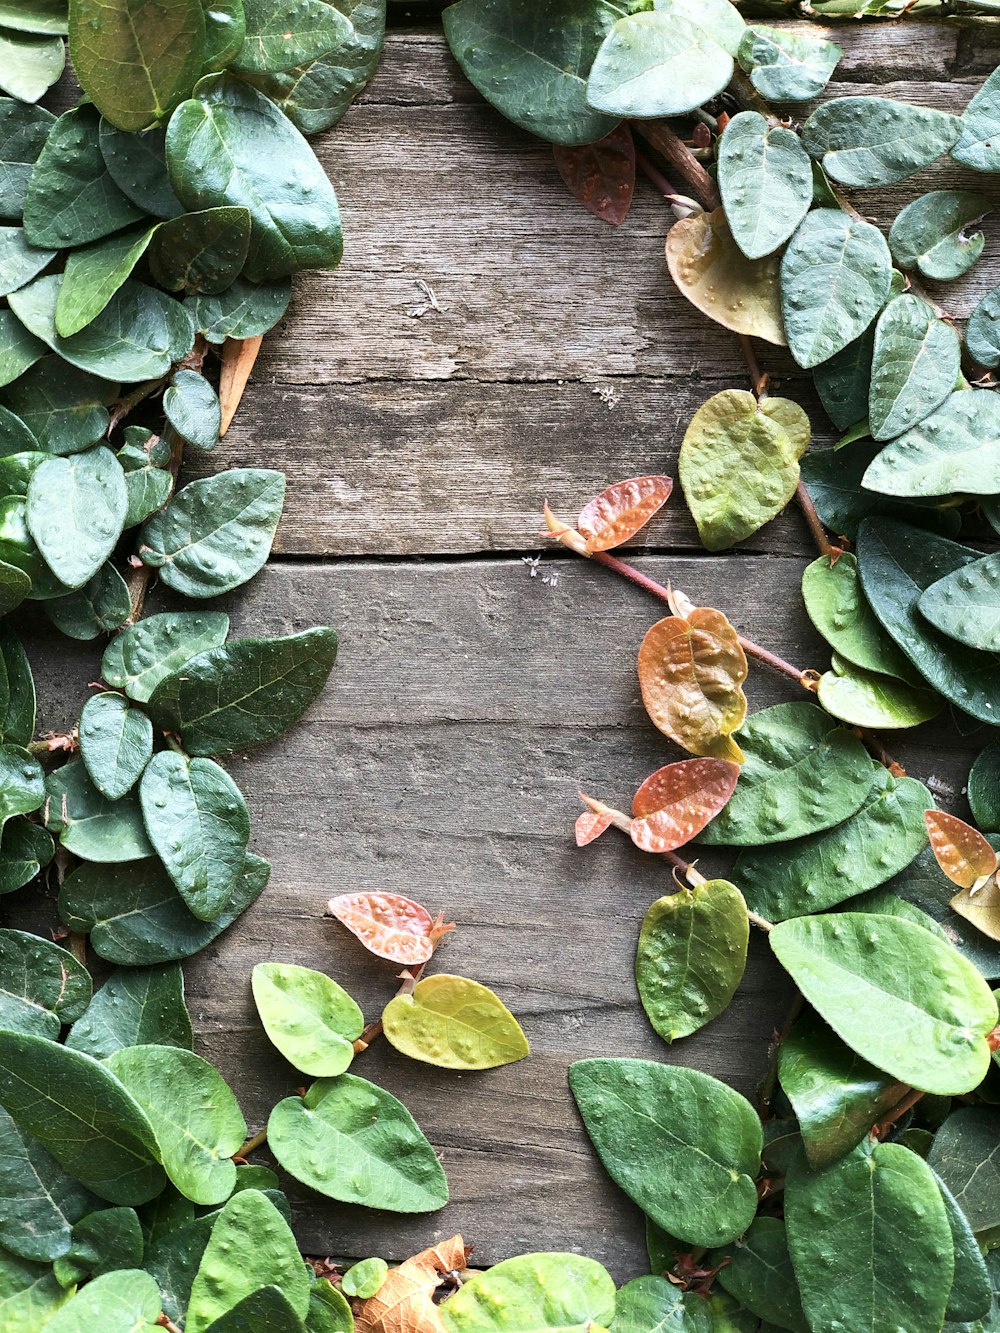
pixel 960 850
pixel 915 366
pixel 876 140
pixel 564 1293
pixel 657 64
pixel 622 510
pixel 675 803
pixel 389 925
pixel 786 66
pixel 601 175
pixel 310 1019
pixel 765 178
pixel 454 1023
pixel 932 234
pixel 403 1302
pixel 980 907
pixel 238 359
pixel 713 273
pixel 691 671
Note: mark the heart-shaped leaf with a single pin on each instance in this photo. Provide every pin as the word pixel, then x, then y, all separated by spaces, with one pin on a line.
pixel 675 803
pixel 601 175
pixel 876 140
pixel 837 606
pixel 310 1019
pixel 135 1007
pixel 559 1292
pixel 622 510
pixel 145 654
pixel 960 850
pixel 116 743
pixel 76 512
pixel 787 66
pixel 657 64
pixel 965 604
pixel 932 234
pixel 93 828
pixel 41 985
pixel 454 1023
pixel 203 252
pixel 389 925
pixel 765 178
pixel 866 699
pixel 916 363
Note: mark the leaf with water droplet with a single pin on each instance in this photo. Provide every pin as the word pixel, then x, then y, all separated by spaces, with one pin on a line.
pixel 244 310
pixel 105 1241
pixel 120 1302
pixel 42 986
pixel 877 140
pixel 966 1156
pixel 932 234
pixel 390 926
pixel 63 407
pixel 202 253
pixel 765 178
pixel 965 604
pixel 675 803
pixel 41 1202
pixel 135 1007
pixel 145 654
pixel 787 66
pixel 758 1273
pixel 310 1018
pixel 281 34
pixel 101 605
pixel 454 1023
pixel 565 1293
pixel 977 145
pixel 365 1278
pixel 960 850
pixel 657 64
pixel 836 605
pixel 93 275
pixel 915 365
pixel 590 825
pixel 19 261
pixel 116 743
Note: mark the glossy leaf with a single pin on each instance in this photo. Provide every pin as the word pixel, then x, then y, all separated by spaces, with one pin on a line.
pixel 837 606
pixel 657 64
pixel 93 275
pixel 145 654
pixel 566 1293
pixel 19 349
pixel 365 1278
pixel 18 724
pixel 102 604
pixel 90 826
pixel 923 885
pixel 29 63
pixel 965 604
pixel 39 1201
pixel 675 803
pixel 876 140
pixel 281 35
pixel 681 1144
pixel 191 406
pixel 22 785
pixel 120 1302
pixel 739 463
pixel 265 1311
pixel 977 143
pixel 116 743
pixel 691 956
pixel 966 1156
pixel 76 511
pixel 353 1141
pixel 25 849
pixel 19 261
pixel 42 986
pixel 971 1295
pixel 984 789
pixel 244 693
pixel 866 699
pixel 201 252
pixel 765 177
pixel 759 1275
pixel 621 511
pixel 935 1009
pixel 960 850
pixel 135 1007
pixel 786 66
pixel 138 166
pixel 454 1023
pixel 389 925
pixel 835 278
pixel 916 364
pixel 590 825
pixel 310 1019
pixel 601 175
pixel 691 671
pixel 102 1243
pixel 65 408
pixel 933 234
pixel 714 274
pixel 244 310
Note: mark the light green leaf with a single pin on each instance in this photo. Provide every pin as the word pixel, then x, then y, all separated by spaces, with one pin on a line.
pixel 932 234
pixel 47 16
pixel 866 699
pixel 799 776
pixel 310 1019
pixel 982 333
pixel 24 131
pixel 19 550
pixel 102 604
pixel 870 1242
pixel 65 409
pixel 90 826
pixel 965 604
pixel 835 278
pixel 837 606
pixel 787 66
pixel 93 275
pixel 281 34
pixel 876 140
pixel 657 64
pixel 454 1023
pixel 691 956
pixel 19 349
pixel 217 532
pixel 194 1115
pixel 934 1008
pixel 353 1141
pixel 82 1115
pixel 116 743
pixel 966 1156
pixel 273 1258
pixel 19 261
pixel 136 62
pixel 565 1293
pixel 136 917
pixel 244 310
pixel 923 886
pixel 684 1146
pixel 215 158
pixel 978 145
pixel 135 1007
pixel 42 986
pixel 127 1301
pixel 191 406
pixel 244 693
pixel 30 64
pixel 145 654
pixel 719 18
pixel 29 1295
pixel 329 1310
pixel 23 852
pixel 103 1242
pixel 76 512
pixel 765 177
pixel 138 166
pixel 201 252
pixel 739 463
pixel 39 1202
pixel 364 1279
pixel 916 364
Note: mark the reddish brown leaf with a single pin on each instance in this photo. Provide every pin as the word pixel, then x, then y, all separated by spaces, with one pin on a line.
pixel 961 851
pixel 590 826
pixel 601 175
pixel 675 803
pixel 619 512
pixel 447 1257
pixel 238 357
pixel 390 926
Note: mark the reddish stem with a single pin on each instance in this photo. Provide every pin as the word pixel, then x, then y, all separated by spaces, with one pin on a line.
pixel 659 134
pixel 898 1111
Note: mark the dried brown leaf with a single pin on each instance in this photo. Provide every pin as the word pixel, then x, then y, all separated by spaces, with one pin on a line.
pixel 601 175
pixel 403 1304
pixel 961 851
pixel 675 803
pixel 622 510
pixel 981 908
pixel 390 926
pixel 238 357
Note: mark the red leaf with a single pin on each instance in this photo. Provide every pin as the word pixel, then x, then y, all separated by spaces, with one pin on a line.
pixel 960 850
pixel 601 175
pixel 590 826
pixel 619 512
pixel 390 926
pixel 675 803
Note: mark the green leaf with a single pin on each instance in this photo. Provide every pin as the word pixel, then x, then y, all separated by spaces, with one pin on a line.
pixel 565 1293
pixel 739 463
pixel 30 64
pixel 965 604
pixel 916 364
pixel 719 18
pixel 977 144
pixel 64 408
pixel 148 487
pixel 134 1007
pixel 76 512
pixel 759 1275
pixel 134 62
pixel 353 1141
pixel 19 349
pixel 454 1023
pixel 966 1156
pixel 173 1256
pixel 272 1259
pixel 870 1242
pixel 22 783
pixel 145 654
pixel 137 164
pixel 19 550
pixel 29 1295
pixel 194 1115
pixel 800 776
pixel 808 875
pixel 244 310
pixel 137 336
pixel 23 134
pixel 23 852
pixel 934 1008
pixel 42 985
pixel 281 34
pixel 127 1301
pixel 136 917
pixel 787 66
pixel 70 197
pixel 102 604
pixel 984 789
pixel 191 406
pixel 684 1146
pixel 82 1115
pixel 245 693
pixel 897 564
pixel 932 234
pixel 835 278
pixel 39 1202
pixel 201 252
pixel 982 333
pixel 19 261
pixel 836 605
pixel 102 1243
pixel 18 726
pixel 116 743
pixel 35 16
pixel 923 886
pixel 90 826
pixel 365 1278
pixel 876 140
pixel 264 1310
pixel 215 158
pixel 197 820
pixel 217 532
pixel 310 1019
pixel 866 699
pixel 971 1295
pixel 93 275
pixel 765 177
pixel 691 956
pixel 532 65
pixel 657 64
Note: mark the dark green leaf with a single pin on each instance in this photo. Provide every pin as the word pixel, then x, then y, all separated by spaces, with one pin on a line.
pixel 29 1294
pixel 148 487
pixel 90 826
pixel 173 1257
pixel 137 164
pixel 23 132
pixel 876 140
pixel 984 789
pixel 657 64
pixel 982 333
pixel 971 1293
pixel 19 349
pixel 126 1301
pixel 759 1275
pixel 965 604
pixel 684 1146
pixel 18 727
pixel 39 1202
pixel 18 549
pixel 787 66
pixel 15 437
pixel 977 145
pixel 765 177
pixel 93 275
pixel 42 985
pixel 19 261
pixel 24 850
pixel 15 586
pixel 264 1310
pixel 22 783
pixel 201 252
pixel 957 448
pixel 65 408
pixel 564 1293
pixel 966 1156
pixel 225 29
pixel 932 234
pixel 134 1007
pixel 145 654
pixel 76 512
pixel 102 604
pixel 244 310
pixel 191 406
pixel 329 1311
pixel 924 886
pixel 916 364
pixel 102 1243
pixel 281 34
pixel 116 743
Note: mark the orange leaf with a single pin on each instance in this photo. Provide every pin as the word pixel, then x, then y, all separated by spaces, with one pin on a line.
pixel 444 1258
pixel 619 512
pixel 601 175
pixel 691 670
pixel 403 1304
pixel 389 925
pixel 676 802
pixel 961 851
pixel 590 826
pixel 238 357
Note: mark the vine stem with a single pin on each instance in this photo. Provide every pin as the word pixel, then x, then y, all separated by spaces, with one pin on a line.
pixel 898 1111
pixel 252 1144
pixel 374 1030
pixel 166 1322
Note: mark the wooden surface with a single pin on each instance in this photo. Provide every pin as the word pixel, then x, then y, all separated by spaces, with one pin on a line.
pixel 470 700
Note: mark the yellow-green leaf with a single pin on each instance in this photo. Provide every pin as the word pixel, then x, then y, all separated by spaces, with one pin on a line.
pixel 454 1023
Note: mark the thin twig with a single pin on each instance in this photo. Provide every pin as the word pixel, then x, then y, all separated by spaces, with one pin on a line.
pixel 898 1111
pixel 660 136
pixel 252 1144
pixel 815 524
pixel 374 1030
pixel 166 1322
